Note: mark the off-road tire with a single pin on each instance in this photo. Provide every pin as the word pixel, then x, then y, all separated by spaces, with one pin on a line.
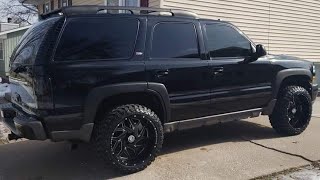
pixel 108 124
pixel 281 119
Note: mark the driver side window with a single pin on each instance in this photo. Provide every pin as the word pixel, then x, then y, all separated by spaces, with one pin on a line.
pixel 225 41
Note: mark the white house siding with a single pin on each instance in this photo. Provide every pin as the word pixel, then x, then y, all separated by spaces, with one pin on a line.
pixel 283 26
pixel 9 44
pixel 8 26
pixel 86 2
pixel 74 2
pixel 154 3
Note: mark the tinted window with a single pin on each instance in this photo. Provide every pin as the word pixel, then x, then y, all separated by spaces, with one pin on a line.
pixel 97 38
pixel 174 40
pixel 225 41
pixel 28 47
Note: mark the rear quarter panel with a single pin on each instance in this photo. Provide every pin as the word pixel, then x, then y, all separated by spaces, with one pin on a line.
pixel 72 81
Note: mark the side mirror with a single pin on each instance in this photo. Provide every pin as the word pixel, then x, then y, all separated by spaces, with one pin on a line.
pixel 260 51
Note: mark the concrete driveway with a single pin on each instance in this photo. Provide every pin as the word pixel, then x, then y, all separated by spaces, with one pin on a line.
pixel 235 150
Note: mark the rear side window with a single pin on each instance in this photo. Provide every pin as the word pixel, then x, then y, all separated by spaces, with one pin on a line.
pixel 97 38
pixel 30 44
pixel 225 41
pixel 174 40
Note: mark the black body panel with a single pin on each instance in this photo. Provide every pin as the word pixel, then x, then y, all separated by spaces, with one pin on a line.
pixel 240 86
pixel 63 91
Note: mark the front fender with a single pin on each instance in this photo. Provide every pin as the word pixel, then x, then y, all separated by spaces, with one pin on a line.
pixel 282 75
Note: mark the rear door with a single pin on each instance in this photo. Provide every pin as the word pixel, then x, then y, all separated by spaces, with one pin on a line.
pixel 95 51
pixel 174 59
pixel 235 85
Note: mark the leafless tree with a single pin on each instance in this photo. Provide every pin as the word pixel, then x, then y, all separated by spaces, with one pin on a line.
pixel 23 14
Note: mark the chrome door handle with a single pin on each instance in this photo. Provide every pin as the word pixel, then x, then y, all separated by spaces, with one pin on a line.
pixel 162 73
pixel 217 71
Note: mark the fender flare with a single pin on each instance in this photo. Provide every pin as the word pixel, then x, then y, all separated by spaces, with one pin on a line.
pixel 99 94
pixel 163 94
pixel 282 75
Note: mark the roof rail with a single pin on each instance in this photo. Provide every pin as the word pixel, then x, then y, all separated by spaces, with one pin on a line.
pixel 90 9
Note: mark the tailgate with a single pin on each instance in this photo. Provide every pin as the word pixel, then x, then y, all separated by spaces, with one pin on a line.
pixel 28 83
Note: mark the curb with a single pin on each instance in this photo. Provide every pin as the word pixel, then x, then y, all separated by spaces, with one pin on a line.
pixel 314 164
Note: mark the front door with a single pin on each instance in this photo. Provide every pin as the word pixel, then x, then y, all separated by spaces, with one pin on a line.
pixel 236 85
pixel 174 60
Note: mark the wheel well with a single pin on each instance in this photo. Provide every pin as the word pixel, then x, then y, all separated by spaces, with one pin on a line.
pixel 297 80
pixel 143 98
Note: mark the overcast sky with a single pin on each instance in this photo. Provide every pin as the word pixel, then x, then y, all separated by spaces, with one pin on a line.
pixel 1 18
pixel 4 19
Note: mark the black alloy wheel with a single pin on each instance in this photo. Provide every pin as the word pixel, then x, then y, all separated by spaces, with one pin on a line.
pixel 298 110
pixel 132 140
pixel 292 113
pixel 129 137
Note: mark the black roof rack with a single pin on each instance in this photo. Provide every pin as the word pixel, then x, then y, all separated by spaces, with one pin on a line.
pixel 89 9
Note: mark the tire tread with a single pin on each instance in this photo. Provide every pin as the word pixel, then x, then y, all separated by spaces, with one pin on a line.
pixel 278 118
pixel 104 129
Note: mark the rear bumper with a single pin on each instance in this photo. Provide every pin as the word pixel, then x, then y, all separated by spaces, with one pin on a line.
pixel 21 125
pixel 315 90
pixel 26 126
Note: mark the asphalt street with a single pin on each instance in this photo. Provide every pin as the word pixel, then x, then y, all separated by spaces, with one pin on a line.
pixel 235 150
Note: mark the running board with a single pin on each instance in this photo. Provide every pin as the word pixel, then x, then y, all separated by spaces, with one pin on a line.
pixel 210 120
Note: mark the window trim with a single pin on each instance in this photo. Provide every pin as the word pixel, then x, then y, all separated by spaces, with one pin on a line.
pixel 60 3
pixel 174 22
pixel 67 2
pixel 51 5
pixel 2 49
pixel 44 7
pixel 233 27
pixel 131 57
pixel 122 2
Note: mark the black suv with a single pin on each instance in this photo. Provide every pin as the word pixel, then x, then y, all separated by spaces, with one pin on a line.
pixel 121 77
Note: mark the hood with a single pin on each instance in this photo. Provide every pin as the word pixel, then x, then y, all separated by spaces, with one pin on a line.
pixel 285 57
pixel 290 61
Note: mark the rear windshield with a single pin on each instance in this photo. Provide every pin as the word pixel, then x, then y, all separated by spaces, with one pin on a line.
pixel 29 44
pixel 106 38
